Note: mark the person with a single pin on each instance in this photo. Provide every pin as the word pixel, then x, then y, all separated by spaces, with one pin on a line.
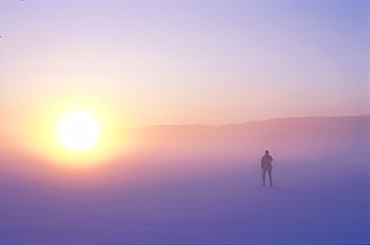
pixel 266 166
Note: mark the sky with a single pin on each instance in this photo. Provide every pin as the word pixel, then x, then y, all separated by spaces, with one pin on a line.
pixel 186 62
pixel 81 80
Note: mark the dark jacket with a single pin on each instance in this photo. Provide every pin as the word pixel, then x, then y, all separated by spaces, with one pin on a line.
pixel 266 162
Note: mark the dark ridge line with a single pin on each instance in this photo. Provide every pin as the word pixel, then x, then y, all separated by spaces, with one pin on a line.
pixel 255 121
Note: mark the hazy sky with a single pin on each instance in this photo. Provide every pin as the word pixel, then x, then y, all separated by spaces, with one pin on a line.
pixel 188 62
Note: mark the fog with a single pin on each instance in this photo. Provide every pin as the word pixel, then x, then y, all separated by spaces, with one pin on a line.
pixel 200 184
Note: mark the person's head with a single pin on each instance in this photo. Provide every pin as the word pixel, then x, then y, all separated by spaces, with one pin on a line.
pixel 266 152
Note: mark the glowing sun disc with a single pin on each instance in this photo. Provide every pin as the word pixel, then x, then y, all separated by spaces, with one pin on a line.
pixel 78 131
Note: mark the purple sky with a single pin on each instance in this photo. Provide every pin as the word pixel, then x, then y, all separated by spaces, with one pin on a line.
pixel 188 62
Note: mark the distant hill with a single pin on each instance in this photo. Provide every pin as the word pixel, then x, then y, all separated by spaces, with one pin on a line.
pixel 275 129
pixel 286 136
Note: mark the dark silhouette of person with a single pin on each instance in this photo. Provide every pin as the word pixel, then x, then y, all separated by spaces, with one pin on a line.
pixel 266 166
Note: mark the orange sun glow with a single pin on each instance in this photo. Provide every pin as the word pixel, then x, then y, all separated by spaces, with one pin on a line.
pixel 76 135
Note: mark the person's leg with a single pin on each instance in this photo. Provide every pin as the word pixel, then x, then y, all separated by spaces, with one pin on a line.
pixel 270 176
pixel 264 175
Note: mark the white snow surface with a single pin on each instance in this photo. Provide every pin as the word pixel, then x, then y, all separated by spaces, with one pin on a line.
pixel 227 208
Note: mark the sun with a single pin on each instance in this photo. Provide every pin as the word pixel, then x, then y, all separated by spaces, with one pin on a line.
pixel 77 134
pixel 78 131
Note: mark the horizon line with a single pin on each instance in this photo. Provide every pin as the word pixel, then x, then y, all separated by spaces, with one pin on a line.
pixel 254 121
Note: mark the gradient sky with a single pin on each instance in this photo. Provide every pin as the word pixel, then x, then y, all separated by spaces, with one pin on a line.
pixel 187 62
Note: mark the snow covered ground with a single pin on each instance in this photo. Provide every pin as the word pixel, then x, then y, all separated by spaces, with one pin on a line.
pixel 224 208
